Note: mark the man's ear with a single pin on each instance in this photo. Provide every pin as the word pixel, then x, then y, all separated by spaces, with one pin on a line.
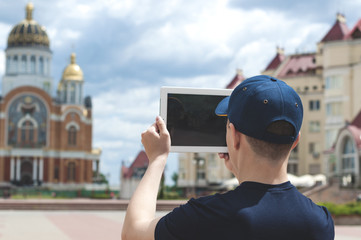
pixel 235 136
pixel 297 141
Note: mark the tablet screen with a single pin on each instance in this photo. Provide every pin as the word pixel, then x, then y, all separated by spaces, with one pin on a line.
pixel 191 120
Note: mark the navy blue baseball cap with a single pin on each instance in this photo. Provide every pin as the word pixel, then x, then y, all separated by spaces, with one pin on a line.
pixel 259 101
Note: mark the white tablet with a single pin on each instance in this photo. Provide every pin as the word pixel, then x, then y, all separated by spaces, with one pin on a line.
pixel 191 121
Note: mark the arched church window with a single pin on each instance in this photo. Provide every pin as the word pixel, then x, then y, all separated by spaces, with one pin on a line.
pixel 72 93
pixel 71 171
pixel 72 136
pixel 348 156
pixel 65 92
pixel 8 64
pixel 27 133
pixel 23 64
pixel 32 64
pixel 41 65
pixel 47 66
pixel 56 173
pixel 27 119
pixel 14 67
pixel 80 93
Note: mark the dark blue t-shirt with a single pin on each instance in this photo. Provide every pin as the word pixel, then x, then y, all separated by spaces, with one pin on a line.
pixel 251 211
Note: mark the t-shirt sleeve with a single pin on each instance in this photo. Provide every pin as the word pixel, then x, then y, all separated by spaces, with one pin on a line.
pixel 178 224
pixel 329 225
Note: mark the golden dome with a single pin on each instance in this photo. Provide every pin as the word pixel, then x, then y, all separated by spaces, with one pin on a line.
pixel 28 32
pixel 73 71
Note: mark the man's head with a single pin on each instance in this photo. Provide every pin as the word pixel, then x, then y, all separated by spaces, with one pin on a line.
pixel 266 110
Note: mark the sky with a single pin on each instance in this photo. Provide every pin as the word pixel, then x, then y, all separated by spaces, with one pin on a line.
pixel 128 49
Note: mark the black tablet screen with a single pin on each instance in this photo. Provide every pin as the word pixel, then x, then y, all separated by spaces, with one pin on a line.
pixel 191 120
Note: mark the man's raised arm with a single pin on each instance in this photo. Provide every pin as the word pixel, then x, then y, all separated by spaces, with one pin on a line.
pixel 140 221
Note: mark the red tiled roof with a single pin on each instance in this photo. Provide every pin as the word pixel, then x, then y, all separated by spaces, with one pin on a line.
pixel 238 78
pixel 338 32
pixel 355 30
pixel 356 133
pixel 139 162
pixel 298 65
pixel 276 61
pixel 357 120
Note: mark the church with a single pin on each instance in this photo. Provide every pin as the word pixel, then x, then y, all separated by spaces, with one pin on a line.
pixel 45 140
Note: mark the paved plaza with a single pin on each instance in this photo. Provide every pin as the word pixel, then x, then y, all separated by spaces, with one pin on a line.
pixel 87 225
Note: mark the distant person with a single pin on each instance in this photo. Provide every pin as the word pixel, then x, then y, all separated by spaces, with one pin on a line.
pixel 264 120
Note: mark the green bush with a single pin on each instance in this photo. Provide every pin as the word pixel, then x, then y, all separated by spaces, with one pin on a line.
pixel 353 208
pixel 100 196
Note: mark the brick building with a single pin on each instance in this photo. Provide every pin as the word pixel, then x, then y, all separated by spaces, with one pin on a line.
pixel 44 139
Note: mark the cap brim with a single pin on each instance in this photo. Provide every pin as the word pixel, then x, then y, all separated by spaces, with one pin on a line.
pixel 222 108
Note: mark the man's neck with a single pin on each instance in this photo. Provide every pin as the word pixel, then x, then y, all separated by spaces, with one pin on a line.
pixel 262 171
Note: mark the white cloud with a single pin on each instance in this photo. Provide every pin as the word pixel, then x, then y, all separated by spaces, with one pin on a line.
pixel 73 9
pixel 2 63
pixel 135 103
pixel 203 81
pixel 141 11
pixel 115 127
pixel 4 33
pixel 60 38
pixel 196 37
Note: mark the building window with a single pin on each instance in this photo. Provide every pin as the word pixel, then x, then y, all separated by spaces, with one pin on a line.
pixel 80 93
pixel 200 169
pixel 72 93
pixel 334 109
pixel 292 168
pixel 65 93
pixel 27 133
pixel 314 169
pixel 315 126
pixel 330 137
pixel 41 65
pixel 47 70
pixel 314 105
pixel 46 86
pixel 348 163
pixel 212 162
pixel 314 149
pixel 334 82
pixel 14 65
pixel 32 64
pixel 71 172
pixel 72 136
pixel 348 157
pixel 56 173
pixel 8 64
pixel 24 65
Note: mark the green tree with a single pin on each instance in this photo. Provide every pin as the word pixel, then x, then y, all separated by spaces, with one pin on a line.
pixel 175 177
pixel 100 179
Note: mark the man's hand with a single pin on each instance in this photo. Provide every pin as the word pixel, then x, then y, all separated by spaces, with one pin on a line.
pixel 156 141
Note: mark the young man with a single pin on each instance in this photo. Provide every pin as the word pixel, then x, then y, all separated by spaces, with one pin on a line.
pixel 264 120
